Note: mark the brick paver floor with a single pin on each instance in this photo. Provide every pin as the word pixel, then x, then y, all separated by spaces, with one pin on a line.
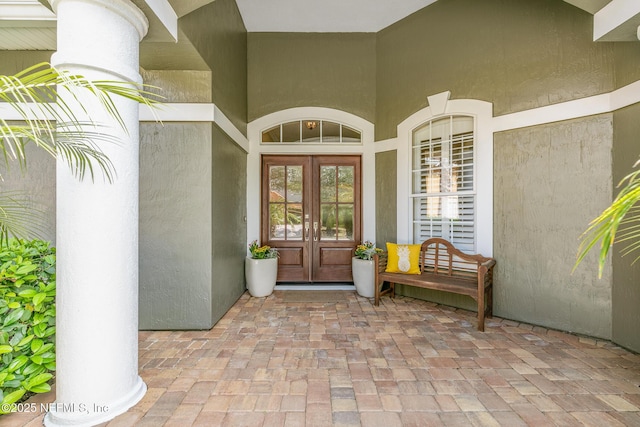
pixel 405 363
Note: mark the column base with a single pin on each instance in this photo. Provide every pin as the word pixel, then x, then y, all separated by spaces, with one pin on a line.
pixel 87 415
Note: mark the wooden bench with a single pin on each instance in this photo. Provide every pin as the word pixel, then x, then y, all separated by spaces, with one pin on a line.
pixel 444 268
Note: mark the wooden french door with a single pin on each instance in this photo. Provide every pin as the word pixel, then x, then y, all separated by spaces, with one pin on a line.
pixel 311 213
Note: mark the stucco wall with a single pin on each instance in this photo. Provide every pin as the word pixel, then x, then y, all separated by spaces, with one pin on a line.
pixel 194 281
pixel 192 225
pixel 288 70
pixel 626 274
pixel 37 183
pixel 217 32
pixel 179 85
pixel 12 62
pixel 175 226
pixel 386 196
pixel 549 182
pixel 517 54
pixel 229 230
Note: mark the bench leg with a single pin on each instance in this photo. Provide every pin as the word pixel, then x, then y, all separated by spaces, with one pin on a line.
pixel 485 307
pixel 379 293
pixel 490 302
pixel 481 311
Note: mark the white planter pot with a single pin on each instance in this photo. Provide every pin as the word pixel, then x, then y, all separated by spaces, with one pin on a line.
pixel 363 276
pixel 261 276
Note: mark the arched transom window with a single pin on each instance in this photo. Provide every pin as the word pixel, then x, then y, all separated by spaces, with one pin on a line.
pixel 311 131
pixel 443 189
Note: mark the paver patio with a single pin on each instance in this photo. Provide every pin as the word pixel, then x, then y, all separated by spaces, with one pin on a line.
pixel 408 362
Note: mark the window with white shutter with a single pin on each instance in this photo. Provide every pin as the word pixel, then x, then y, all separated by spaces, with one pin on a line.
pixel 443 190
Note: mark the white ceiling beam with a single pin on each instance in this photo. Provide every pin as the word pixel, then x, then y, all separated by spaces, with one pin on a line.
pixel 163 21
pixel 591 6
pixel 326 16
pixel 617 21
pixel 185 7
pixel 25 13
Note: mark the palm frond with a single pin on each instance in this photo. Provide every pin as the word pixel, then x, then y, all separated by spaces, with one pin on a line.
pixel 50 120
pixel 75 147
pixel 19 218
pixel 623 214
pixel 49 104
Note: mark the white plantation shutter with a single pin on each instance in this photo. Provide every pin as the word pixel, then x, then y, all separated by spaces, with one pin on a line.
pixel 443 192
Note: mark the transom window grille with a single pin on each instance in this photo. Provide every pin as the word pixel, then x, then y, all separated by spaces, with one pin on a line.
pixel 443 192
pixel 311 131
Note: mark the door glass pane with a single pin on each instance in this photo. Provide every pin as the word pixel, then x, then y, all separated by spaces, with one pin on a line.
pixel 276 221
pixel 345 183
pixel 294 183
pixel 327 183
pixel 294 221
pixel 285 202
pixel 345 222
pixel 328 222
pixel 276 183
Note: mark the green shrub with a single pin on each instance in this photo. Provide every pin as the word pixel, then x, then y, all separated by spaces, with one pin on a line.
pixel 27 319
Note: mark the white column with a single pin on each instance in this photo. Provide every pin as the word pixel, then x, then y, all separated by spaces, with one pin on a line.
pixel 97 227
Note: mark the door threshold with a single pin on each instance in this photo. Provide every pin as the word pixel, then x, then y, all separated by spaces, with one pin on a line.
pixel 315 287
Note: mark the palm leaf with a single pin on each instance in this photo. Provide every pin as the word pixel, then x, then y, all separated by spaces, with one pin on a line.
pixel 46 100
pixel 622 215
pixel 19 218
pixel 49 121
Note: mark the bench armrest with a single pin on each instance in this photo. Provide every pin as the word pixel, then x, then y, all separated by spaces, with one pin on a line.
pixel 380 261
pixel 489 263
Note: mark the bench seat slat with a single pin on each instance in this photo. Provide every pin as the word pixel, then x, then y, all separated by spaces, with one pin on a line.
pixel 433 281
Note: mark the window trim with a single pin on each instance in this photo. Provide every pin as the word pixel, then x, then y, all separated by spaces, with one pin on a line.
pixel 481 111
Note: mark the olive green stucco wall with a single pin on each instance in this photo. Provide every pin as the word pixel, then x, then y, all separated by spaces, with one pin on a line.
pixel 36 183
pixel 627 63
pixel 195 183
pixel 288 70
pixel 517 54
pixel 229 232
pixel 626 274
pixel 175 226
pixel 386 197
pixel 12 62
pixel 180 85
pixel 218 34
pixel 549 182
pixel 192 225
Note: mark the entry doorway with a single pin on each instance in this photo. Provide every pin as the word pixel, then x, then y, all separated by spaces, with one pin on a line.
pixel 311 212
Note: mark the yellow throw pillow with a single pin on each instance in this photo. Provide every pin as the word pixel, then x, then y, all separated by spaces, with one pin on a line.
pixel 403 258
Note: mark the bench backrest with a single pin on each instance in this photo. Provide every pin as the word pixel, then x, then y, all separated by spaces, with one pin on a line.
pixel 439 256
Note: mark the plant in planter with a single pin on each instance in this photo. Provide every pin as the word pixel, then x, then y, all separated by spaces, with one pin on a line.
pixel 27 320
pixel 261 269
pixel 362 269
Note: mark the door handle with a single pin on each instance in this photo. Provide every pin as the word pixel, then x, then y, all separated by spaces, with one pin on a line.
pixel 306 230
pixel 315 231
